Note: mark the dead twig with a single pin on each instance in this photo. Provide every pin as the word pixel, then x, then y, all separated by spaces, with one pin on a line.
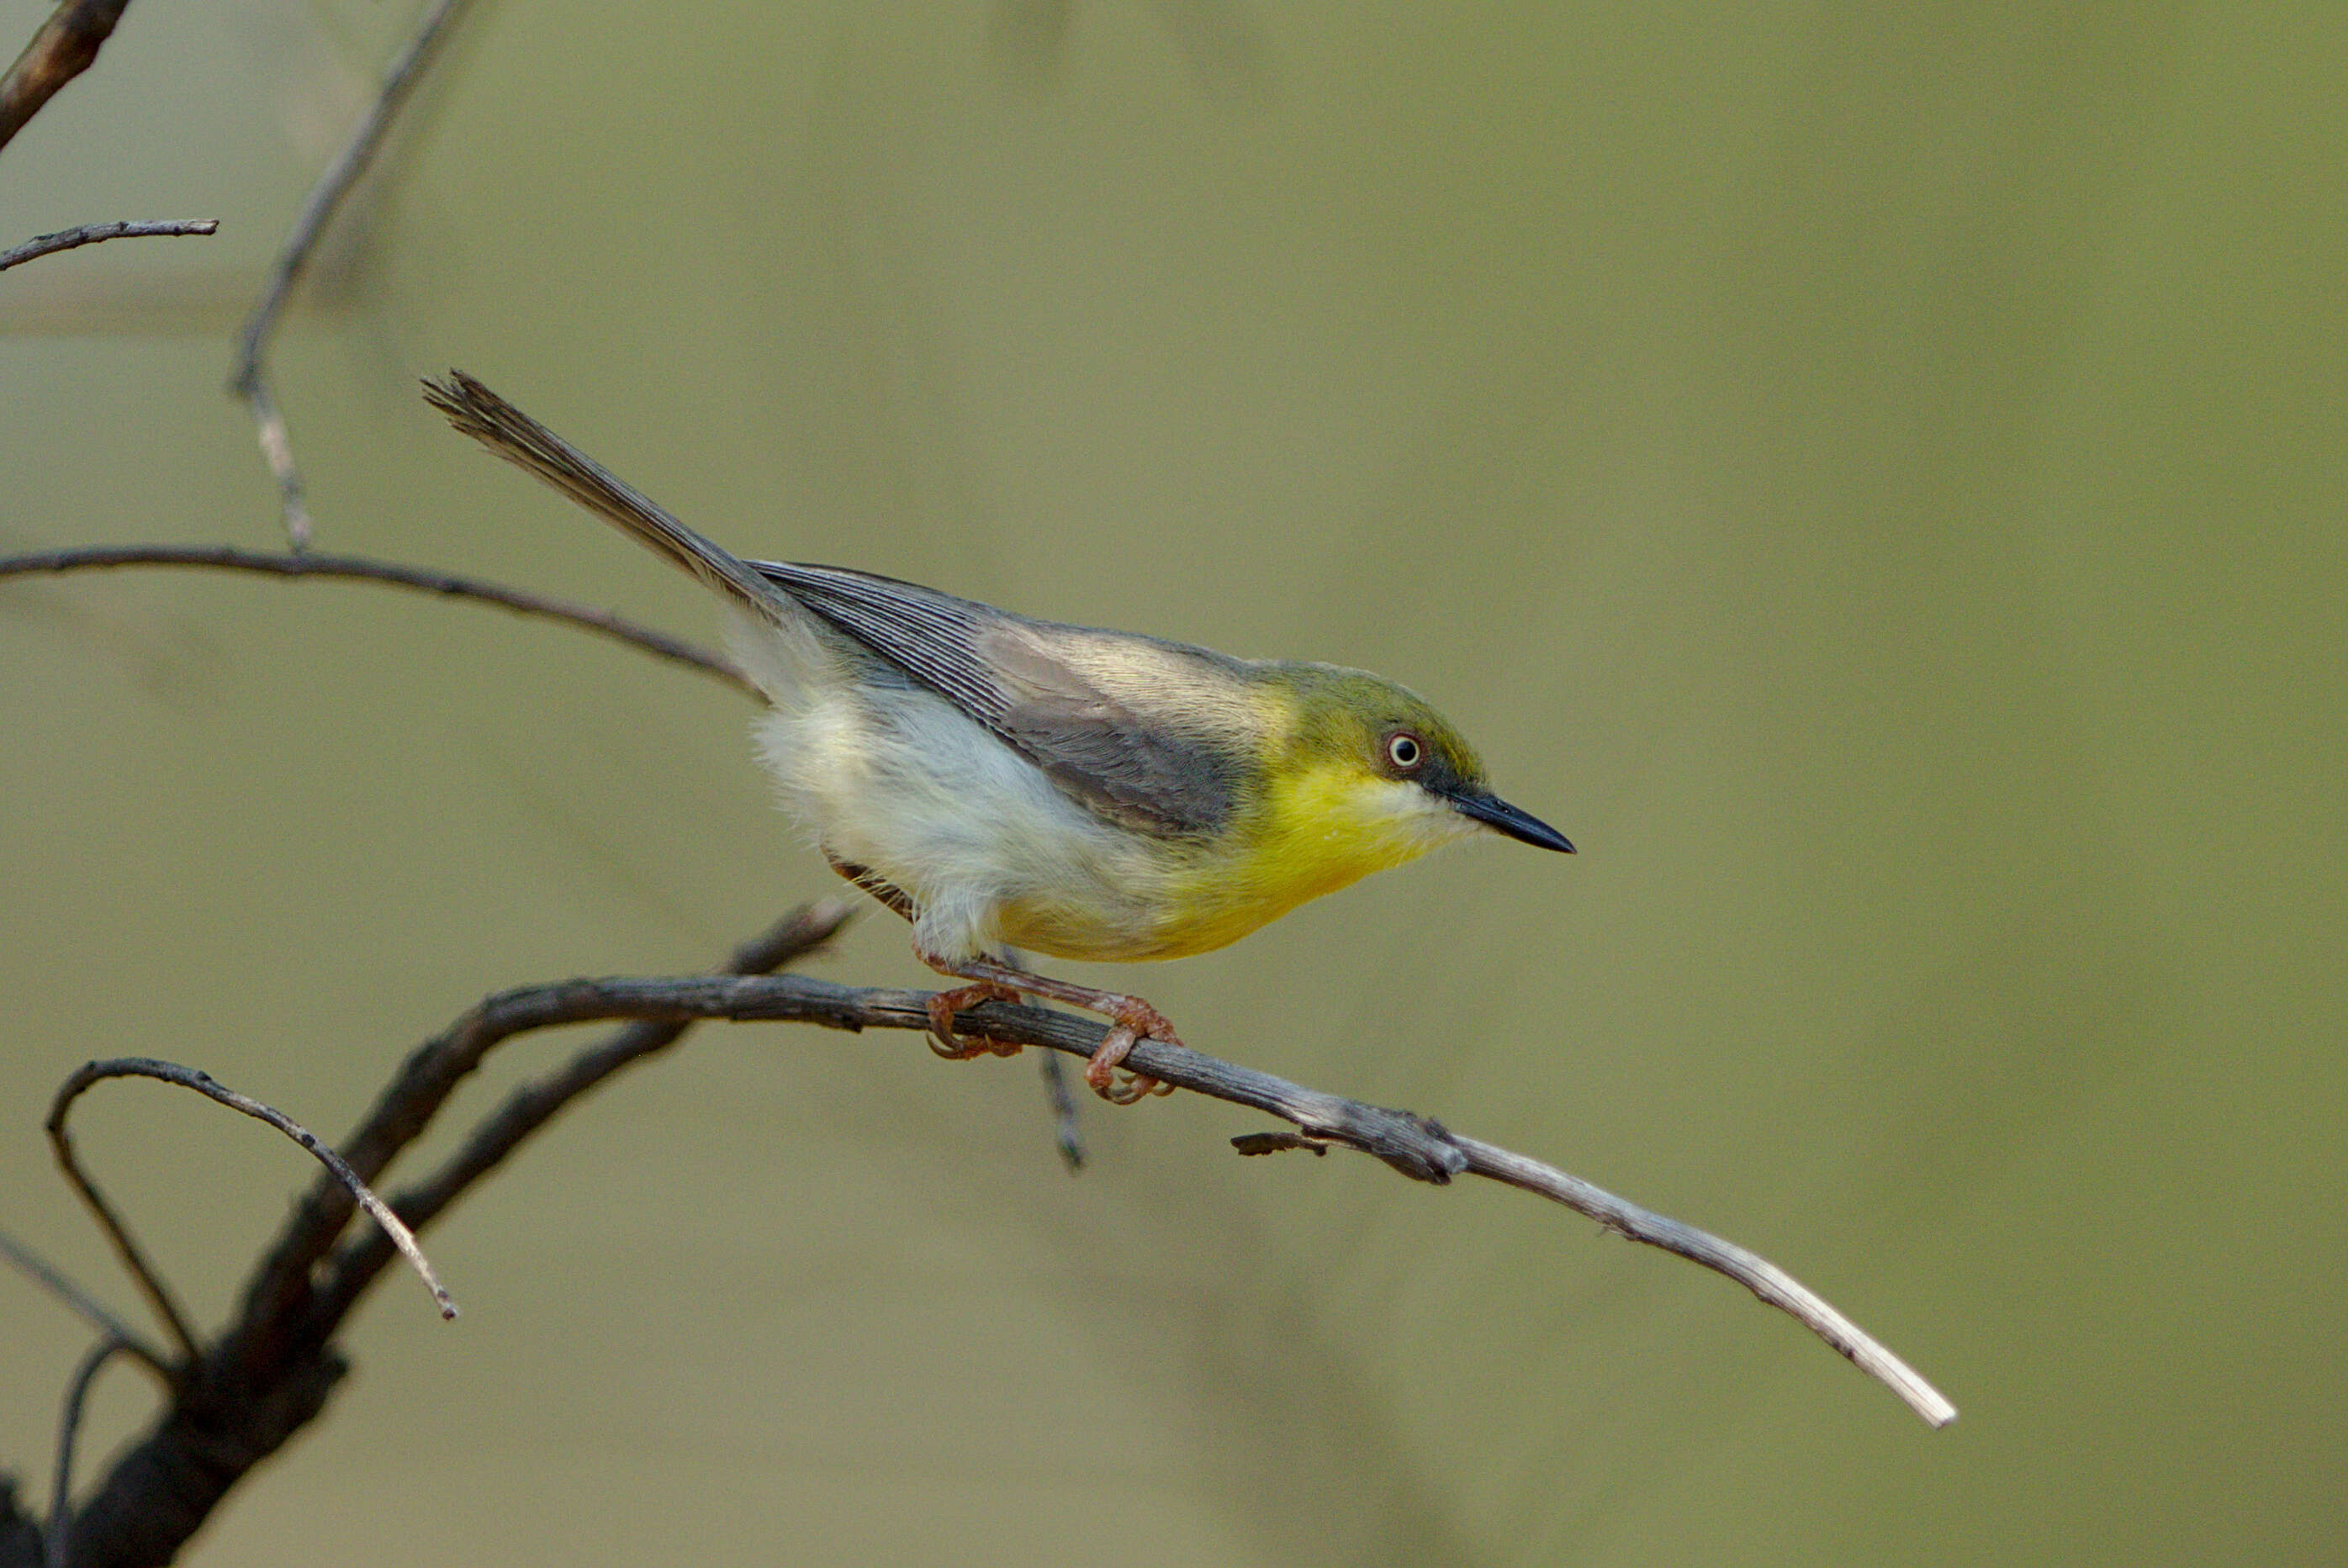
pixel 247 378
pixel 96 233
pixel 143 1275
pixel 274 1366
pixel 277 1364
pixel 1750 1269
pixel 65 47
pixel 92 1072
pixel 361 568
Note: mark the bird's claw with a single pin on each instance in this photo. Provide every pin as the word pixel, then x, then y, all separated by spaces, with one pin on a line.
pixel 1135 1020
pixel 942 1008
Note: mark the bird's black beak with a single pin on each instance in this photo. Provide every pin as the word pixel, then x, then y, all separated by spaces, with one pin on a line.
pixel 1497 814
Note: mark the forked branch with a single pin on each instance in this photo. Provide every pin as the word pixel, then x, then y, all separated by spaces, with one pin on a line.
pixel 238 1399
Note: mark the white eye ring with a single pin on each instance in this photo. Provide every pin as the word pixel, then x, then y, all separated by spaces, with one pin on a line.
pixel 1403 751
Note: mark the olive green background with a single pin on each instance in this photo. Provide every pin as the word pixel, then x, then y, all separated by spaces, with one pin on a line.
pixel 1873 476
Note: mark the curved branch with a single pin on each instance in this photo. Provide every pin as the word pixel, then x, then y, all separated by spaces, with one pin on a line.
pixel 275 1367
pixel 274 1370
pixel 1417 1147
pixel 360 569
pixel 96 233
pixel 91 1072
pixel 117 1235
pixel 1765 1279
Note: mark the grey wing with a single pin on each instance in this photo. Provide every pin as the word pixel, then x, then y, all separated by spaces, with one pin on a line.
pixel 1104 730
pixel 1087 722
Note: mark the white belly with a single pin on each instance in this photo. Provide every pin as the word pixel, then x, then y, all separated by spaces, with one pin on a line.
pixel 903 783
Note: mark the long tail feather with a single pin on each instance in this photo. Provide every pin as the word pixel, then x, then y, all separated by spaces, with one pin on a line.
pixel 522 441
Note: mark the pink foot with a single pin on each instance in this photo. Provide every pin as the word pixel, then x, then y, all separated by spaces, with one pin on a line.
pixel 962 1048
pixel 1134 1019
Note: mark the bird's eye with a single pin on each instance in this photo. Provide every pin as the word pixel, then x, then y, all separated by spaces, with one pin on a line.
pixel 1403 751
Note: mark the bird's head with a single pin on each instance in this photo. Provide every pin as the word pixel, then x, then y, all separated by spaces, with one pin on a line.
pixel 1369 761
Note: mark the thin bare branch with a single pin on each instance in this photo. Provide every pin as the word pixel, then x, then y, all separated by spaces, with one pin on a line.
pixel 65 47
pixel 1421 1149
pixel 90 1309
pixel 143 1275
pixel 275 1365
pixel 1750 1269
pixel 91 1072
pixel 361 568
pixel 60 1530
pixel 96 233
pixel 248 378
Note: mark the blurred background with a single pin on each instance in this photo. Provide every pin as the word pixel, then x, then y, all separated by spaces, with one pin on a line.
pixel 1873 476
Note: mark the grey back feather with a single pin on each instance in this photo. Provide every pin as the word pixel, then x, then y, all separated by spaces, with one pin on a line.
pixel 1101 741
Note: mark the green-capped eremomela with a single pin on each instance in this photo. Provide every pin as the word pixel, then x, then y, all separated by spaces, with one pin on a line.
pixel 1004 781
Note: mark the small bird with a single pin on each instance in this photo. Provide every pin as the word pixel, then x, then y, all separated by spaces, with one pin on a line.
pixel 1007 782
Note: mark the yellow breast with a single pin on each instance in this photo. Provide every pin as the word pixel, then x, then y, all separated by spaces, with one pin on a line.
pixel 1314 831
pixel 1307 825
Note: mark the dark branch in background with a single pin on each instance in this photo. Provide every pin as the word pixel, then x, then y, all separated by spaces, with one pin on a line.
pixel 240 1399
pixel 66 46
pixel 92 1072
pixel 448 585
pixel 96 233
pixel 248 378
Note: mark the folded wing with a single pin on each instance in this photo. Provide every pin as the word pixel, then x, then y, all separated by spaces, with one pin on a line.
pixel 1112 719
